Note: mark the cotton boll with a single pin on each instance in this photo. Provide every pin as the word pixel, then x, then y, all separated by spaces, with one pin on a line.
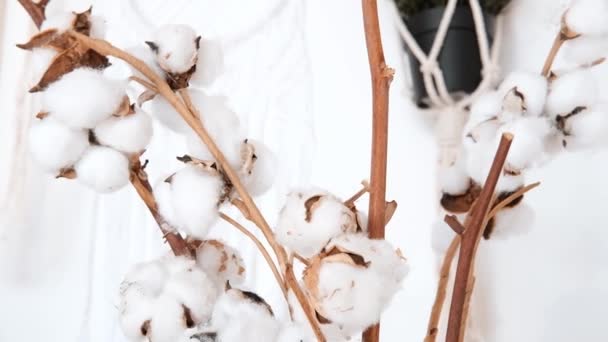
pixel 176 48
pixel 147 56
pixel 98 27
pixel 239 315
pixel 61 21
pixel 587 129
pixel 221 262
pixel 161 110
pixel 586 49
pixel 83 98
pixel 130 133
pixel 259 167
pixel 195 195
pixel 486 106
pixel 513 221
pixel 103 169
pixel 55 146
pixel 223 126
pixel 41 59
pixel 135 310
pixel 210 63
pixel 531 86
pixel 56 7
pixel 168 322
pixel 310 218
pixel 528 146
pixel 454 179
pixel 571 90
pixel 587 17
pixel 509 183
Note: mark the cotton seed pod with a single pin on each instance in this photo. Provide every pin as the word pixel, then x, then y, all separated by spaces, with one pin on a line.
pixel 176 48
pixel 83 98
pixel 528 146
pixel 221 262
pixel 511 221
pixel 529 88
pixel 103 169
pixel 353 279
pixel 55 146
pixel 194 198
pixel 454 180
pixel 258 168
pixel 461 203
pixel 129 133
pixel 585 128
pixel 586 50
pixel 210 63
pixel 310 218
pixel 569 91
pixel 163 298
pixel 587 17
pixel 238 315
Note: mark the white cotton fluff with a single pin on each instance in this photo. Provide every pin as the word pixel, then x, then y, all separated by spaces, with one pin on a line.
pixel 354 296
pixel 306 232
pixel 195 194
pixel 588 128
pixel 40 62
pixel 588 17
pixel 514 221
pixel 223 126
pixel 56 7
pixel 146 55
pixel 528 145
pixel 61 21
pixel 55 146
pixel 532 86
pixel 103 169
pixel 488 105
pixel 478 163
pixel 177 48
pixel 83 98
pixel 162 111
pixel 241 316
pixel 362 220
pixel 130 133
pixel 294 332
pixel 221 262
pixel 571 90
pixel 162 292
pixel 454 179
pixel 210 63
pixel 586 49
pixel 259 167
pixel 162 194
pixel 99 27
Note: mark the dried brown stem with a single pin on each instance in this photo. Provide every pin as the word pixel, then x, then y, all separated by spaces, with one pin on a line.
pixel 381 76
pixel 350 203
pixel 261 248
pixel 557 44
pixel 301 259
pixel 35 10
pixel 107 49
pixel 444 277
pixel 139 180
pixel 185 94
pixel 470 240
pixel 144 83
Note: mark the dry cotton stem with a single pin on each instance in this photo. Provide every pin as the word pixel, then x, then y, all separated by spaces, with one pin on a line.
pixel 107 49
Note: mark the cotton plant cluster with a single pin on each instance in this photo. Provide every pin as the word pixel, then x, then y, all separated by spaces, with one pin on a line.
pixel 349 278
pixel 86 128
pixel 564 112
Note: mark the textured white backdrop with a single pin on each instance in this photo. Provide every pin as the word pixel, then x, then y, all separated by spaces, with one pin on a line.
pixel 298 75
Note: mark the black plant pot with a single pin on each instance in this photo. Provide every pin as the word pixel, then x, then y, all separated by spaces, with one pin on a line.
pixel 459 58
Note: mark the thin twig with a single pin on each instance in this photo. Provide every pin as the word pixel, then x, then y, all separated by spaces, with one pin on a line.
pixel 107 49
pixel 261 248
pixel 35 10
pixel 444 276
pixel 301 259
pixel 564 34
pixel 185 94
pixel 350 203
pixel 381 76
pixel 470 240
pixel 144 83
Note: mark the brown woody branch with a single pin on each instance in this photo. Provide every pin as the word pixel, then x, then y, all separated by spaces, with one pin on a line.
pixel 470 240
pixel 564 34
pixel 35 10
pixel 381 76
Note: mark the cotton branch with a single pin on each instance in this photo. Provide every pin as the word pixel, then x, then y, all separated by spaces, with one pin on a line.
pixel 104 48
pixel 381 76
pixel 470 240
pixel 139 180
pixel 35 10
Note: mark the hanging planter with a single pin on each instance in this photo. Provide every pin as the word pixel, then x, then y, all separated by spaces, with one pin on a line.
pixel 459 58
